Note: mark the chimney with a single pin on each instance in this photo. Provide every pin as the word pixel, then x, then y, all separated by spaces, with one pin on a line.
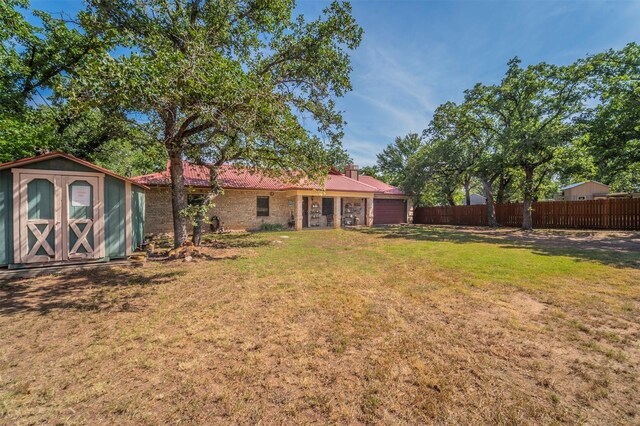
pixel 351 171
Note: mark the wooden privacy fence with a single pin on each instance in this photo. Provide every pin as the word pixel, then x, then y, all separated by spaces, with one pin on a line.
pixel 622 214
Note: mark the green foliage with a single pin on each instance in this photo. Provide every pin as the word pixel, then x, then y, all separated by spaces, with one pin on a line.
pixel 128 158
pixel 338 157
pixel 394 159
pixel 518 139
pixel 197 209
pixel 21 135
pixel 42 59
pixel 272 227
pixel 427 179
pixel 226 81
pixel 627 180
pixel 109 141
pixel 461 148
pixel 372 171
pixel 35 58
pixel 535 106
pixel 613 124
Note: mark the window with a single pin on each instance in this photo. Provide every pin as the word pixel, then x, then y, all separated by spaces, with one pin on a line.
pixel 263 206
pixel 582 197
pixel 327 206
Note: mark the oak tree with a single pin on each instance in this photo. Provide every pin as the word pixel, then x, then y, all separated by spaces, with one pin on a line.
pixel 241 81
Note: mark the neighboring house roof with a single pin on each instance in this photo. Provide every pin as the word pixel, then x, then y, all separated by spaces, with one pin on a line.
pixel 475 199
pixel 233 177
pixel 573 185
pixel 52 155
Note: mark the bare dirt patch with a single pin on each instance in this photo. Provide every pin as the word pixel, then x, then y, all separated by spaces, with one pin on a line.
pixel 619 241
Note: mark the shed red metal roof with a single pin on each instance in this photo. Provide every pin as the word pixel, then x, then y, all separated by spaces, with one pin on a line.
pixel 233 177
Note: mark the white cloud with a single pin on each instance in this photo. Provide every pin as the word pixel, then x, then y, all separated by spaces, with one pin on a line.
pixel 363 152
pixel 400 116
pixel 392 96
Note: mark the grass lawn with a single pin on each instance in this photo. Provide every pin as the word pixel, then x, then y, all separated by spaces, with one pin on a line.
pixel 388 325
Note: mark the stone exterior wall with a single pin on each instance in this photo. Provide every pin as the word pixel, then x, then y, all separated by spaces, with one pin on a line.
pixel 157 216
pixel 237 209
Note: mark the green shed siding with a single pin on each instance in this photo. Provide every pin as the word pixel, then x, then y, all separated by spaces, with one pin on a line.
pixel 137 217
pixel 6 217
pixel 58 164
pixel 114 217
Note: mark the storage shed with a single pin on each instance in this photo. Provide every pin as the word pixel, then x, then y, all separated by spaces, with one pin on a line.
pixel 58 209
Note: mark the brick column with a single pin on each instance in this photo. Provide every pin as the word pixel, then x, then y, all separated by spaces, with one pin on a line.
pixel 298 212
pixel 369 211
pixel 337 218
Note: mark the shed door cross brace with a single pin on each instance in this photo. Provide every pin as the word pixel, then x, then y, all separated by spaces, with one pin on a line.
pixel 82 235
pixel 41 237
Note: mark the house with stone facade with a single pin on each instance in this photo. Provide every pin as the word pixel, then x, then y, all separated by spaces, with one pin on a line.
pixel 251 199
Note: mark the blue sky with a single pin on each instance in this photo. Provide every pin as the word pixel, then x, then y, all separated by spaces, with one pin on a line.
pixel 418 54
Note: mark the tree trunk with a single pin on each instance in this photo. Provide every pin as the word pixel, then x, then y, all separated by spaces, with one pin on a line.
pixel 178 198
pixel 467 193
pixel 491 207
pixel 450 199
pixel 500 195
pixel 198 229
pixel 215 190
pixel 527 220
pixel 502 187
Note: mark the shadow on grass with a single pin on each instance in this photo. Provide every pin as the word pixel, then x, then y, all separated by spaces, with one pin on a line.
pixel 82 290
pixel 619 251
pixel 218 240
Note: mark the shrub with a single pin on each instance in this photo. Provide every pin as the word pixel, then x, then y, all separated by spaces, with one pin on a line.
pixel 272 227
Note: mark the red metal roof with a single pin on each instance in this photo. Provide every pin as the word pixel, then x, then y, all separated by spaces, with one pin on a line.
pixel 232 177
pixel 385 188
pixel 50 155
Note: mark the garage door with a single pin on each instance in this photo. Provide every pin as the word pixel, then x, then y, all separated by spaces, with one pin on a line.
pixel 388 212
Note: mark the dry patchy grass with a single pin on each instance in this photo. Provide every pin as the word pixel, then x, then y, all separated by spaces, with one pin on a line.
pixel 395 325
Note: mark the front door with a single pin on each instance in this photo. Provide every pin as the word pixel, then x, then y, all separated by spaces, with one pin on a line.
pixel 59 216
pixel 305 212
